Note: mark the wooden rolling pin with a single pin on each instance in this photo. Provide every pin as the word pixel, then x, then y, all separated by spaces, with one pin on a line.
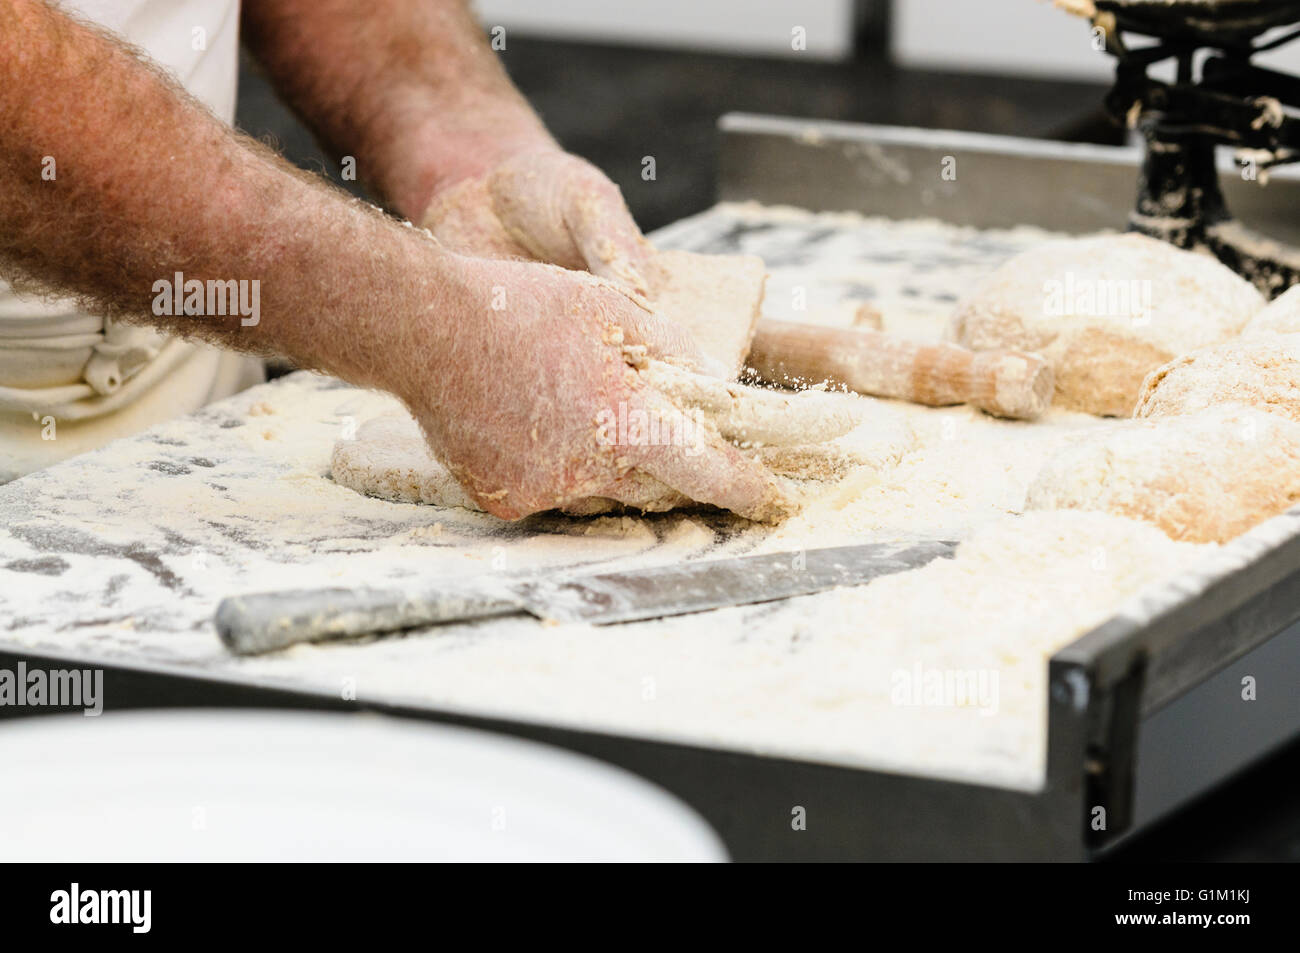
pixel 1004 383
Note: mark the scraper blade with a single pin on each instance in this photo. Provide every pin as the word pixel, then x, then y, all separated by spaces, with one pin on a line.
pixel 267 621
pixel 683 588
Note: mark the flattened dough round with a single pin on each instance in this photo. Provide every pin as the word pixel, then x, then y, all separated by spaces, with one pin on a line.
pixel 1105 312
pixel 1262 371
pixel 389 459
pixel 1201 477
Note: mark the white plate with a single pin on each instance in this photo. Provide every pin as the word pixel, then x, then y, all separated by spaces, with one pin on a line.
pixel 270 785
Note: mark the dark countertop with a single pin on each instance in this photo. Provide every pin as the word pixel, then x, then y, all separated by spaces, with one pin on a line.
pixel 616 105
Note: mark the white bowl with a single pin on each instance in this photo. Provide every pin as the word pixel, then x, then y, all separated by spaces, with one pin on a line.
pixel 184 785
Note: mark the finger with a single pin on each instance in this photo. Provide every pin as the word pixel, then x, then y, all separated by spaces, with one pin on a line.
pixel 527 194
pixel 605 234
pixel 566 211
pixel 688 455
pixel 663 340
pixel 753 415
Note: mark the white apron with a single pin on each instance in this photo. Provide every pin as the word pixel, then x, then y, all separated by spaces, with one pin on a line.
pixel 71 381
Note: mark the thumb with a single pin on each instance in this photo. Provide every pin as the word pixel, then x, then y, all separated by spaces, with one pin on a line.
pixel 564 210
pixel 661 338
pixel 605 234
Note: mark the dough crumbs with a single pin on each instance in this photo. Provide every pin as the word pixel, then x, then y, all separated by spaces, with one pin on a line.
pixel 868 317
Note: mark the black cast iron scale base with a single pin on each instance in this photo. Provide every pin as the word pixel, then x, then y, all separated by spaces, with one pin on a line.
pixel 1232 102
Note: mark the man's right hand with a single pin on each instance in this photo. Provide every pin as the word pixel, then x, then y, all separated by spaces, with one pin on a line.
pixel 531 398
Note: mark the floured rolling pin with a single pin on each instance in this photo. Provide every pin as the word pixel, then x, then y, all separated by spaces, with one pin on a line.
pixel 1004 383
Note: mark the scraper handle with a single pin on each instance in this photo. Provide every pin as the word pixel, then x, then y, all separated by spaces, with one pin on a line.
pixel 267 621
pixel 1005 383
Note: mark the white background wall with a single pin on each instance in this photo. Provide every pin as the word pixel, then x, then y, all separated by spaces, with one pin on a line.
pixel 1013 37
pixel 1016 37
pixel 1026 37
pixel 742 26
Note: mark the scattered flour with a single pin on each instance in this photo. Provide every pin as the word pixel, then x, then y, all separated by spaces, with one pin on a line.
pixel 835 677
pixel 816 678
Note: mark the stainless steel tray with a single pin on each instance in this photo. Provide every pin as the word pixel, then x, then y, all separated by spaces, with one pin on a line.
pixel 1146 712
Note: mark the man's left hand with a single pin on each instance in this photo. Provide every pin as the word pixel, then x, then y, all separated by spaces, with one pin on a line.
pixel 547 205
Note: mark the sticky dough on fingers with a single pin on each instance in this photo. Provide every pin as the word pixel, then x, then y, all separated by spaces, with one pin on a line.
pixel 756 415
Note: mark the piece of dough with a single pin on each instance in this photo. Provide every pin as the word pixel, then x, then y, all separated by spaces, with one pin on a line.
pixel 716 297
pixel 1201 477
pixel 756 415
pixel 389 459
pixel 1262 371
pixel 1105 312
pixel 1281 316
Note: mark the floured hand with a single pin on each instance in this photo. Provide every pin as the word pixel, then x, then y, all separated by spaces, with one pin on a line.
pixel 532 402
pixel 546 205
pixel 543 204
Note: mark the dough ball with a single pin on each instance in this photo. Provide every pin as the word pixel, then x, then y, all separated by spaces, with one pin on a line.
pixel 1105 312
pixel 1201 477
pixel 1281 316
pixel 1263 372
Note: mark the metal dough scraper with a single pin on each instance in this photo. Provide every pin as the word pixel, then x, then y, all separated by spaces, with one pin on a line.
pixel 264 622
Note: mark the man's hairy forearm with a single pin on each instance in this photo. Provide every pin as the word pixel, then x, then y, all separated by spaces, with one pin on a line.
pixel 113 180
pixel 408 87
pixel 146 182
